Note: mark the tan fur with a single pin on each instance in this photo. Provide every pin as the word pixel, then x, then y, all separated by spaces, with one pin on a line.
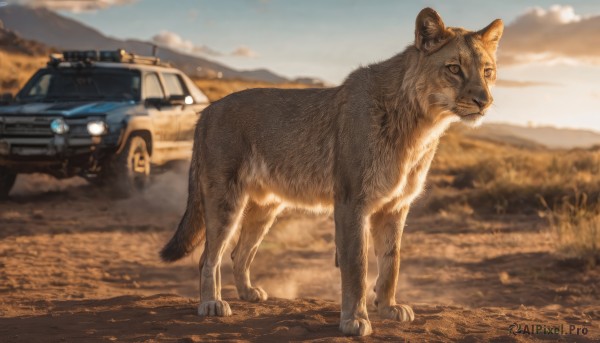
pixel 362 149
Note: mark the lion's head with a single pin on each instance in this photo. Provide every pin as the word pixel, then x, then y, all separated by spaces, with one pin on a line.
pixel 456 67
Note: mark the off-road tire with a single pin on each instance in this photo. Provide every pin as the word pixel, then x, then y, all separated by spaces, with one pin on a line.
pixel 7 181
pixel 129 171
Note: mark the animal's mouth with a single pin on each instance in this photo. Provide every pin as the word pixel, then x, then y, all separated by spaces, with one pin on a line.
pixel 469 113
pixel 472 116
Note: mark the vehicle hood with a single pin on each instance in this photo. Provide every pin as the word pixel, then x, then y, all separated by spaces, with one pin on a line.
pixel 66 109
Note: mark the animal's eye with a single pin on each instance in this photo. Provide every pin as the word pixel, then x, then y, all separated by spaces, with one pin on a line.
pixel 488 72
pixel 454 68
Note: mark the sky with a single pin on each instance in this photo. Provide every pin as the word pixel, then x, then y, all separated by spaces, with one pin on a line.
pixel 549 57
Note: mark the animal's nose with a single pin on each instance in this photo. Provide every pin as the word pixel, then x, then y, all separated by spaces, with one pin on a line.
pixel 482 100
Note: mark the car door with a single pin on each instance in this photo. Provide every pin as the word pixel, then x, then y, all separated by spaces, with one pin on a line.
pixel 163 117
pixel 186 110
pixel 189 109
pixel 199 103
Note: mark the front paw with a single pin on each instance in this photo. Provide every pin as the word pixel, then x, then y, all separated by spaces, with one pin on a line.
pixel 217 308
pixel 356 327
pixel 253 294
pixel 402 313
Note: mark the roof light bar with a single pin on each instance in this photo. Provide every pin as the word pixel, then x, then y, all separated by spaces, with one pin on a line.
pixel 89 56
pixel 112 56
pixel 80 56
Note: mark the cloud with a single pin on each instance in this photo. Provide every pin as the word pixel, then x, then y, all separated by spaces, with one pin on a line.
pixel 554 36
pixel 174 41
pixel 74 5
pixel 244 51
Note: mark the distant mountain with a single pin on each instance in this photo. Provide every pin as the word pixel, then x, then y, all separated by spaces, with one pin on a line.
pixel 42 25
pixel 11 42
pixel 311 81
pixel 548 136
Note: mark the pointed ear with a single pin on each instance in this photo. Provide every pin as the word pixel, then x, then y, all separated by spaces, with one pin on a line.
pixel 430 31
pixel 491 34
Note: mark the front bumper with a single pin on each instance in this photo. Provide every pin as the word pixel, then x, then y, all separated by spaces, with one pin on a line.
pixel 54 146
pixel 28 145
pixel 58 155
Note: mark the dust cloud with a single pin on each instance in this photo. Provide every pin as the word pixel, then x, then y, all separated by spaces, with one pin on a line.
pixel 167 192
pixel 36 184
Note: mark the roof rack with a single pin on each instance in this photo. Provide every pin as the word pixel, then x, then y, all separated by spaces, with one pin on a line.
pixel 90 56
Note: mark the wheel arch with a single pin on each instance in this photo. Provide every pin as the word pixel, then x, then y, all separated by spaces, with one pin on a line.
pixel 141 126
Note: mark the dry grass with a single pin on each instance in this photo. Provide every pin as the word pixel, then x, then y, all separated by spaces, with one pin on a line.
pixel 505 179
pixel 16 69
pixel 561 185
pixel 216 89
pixel 576 227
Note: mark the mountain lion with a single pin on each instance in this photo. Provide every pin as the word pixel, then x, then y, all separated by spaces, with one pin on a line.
pixel 362 149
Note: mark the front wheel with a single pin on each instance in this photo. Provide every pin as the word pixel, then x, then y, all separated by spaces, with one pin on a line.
pixel 129 171
pixel 7 181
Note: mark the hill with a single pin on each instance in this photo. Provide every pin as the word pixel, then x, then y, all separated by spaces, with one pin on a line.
pixel 12 42
pixel 52 29
pixel 488 132
pixel 551 137
pixel 19 59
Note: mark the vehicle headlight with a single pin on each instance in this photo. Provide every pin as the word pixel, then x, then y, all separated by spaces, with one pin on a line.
pixel 59 126
pixel 96 127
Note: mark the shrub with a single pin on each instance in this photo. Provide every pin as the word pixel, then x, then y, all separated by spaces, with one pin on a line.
pixel 495 178
pixel 575 224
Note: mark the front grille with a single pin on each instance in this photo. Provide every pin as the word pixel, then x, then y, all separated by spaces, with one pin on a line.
pixel 38 127
pixel 32 137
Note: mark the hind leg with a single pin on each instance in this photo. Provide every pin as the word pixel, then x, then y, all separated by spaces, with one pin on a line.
pixel 255 225
pixel 224 206
pixel 386 229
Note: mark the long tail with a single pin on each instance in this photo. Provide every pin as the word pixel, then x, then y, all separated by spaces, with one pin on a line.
pixel 192 230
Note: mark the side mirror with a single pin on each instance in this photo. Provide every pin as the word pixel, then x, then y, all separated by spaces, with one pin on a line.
pixel 177 100
pixel 181 100
pixel 6 98
pixel 155 102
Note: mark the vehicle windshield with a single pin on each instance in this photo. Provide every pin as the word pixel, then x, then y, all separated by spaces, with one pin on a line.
pixel 64 84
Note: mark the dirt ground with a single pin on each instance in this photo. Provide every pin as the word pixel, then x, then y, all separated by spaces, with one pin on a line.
pixel 77 266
